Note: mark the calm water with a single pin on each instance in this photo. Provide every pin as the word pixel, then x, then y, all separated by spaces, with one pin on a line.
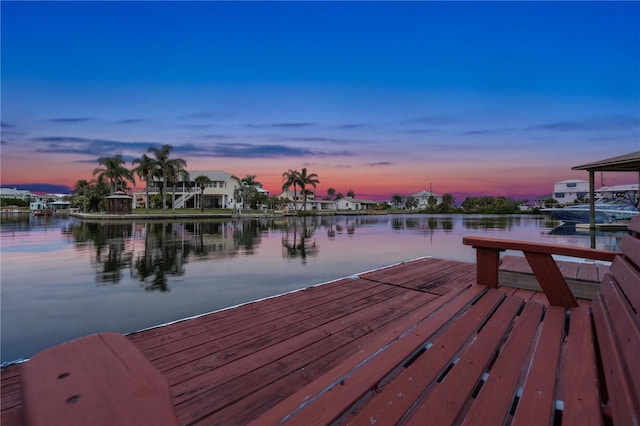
pixel 63 278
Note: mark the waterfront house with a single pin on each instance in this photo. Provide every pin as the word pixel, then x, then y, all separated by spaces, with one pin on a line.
pixel 568 191
pixel 349 203
pixel 218 194
pixel 296 201
pixel 423 198
pixel 19 194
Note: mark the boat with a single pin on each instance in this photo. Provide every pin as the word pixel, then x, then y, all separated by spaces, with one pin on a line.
pixel 607 210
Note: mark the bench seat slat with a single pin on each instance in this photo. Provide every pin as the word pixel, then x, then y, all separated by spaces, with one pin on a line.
pixel 624 410
pixel 578 381
pixel 626 332
pixel 492 404
pixel 536 405
pixel 442 405
pixel 390 402
pixel 631 248
pixel 628 278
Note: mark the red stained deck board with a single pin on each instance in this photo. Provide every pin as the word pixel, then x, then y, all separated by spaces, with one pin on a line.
pixel 251 328
pixel 422 274
pixel 212 352
pixel 400 273
pixel 229 384
pixel 588 272
pixel 159 335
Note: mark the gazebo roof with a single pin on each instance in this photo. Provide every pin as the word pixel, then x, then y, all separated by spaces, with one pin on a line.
pixel 623 163
pixel 119 194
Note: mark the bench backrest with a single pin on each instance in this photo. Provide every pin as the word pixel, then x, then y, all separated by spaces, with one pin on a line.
pixel 616 316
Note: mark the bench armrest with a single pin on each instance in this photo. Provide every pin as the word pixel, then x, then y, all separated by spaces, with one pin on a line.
pixel 539 257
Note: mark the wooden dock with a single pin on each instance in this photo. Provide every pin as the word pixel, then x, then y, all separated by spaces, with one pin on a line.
pixel 352 348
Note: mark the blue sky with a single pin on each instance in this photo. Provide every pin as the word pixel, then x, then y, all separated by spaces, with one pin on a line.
pixel 474 98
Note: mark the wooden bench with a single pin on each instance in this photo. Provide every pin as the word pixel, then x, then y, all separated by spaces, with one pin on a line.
pixel 100 379
pixel 494 355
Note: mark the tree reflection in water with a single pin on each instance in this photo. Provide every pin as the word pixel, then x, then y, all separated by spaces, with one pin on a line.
pixel 298 241
pixel 167 247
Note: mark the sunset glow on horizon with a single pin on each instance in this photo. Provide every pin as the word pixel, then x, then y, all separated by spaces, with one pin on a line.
pixel 468 98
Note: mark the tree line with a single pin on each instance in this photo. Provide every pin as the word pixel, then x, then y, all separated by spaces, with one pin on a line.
pixel 112 175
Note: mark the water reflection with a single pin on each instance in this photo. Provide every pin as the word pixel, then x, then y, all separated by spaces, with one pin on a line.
pixel 154 251
pixel 298 240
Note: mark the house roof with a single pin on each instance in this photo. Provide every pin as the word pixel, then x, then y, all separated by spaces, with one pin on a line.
pixel 425 193
pixel 623 163
pixel 214 175
pixel 357 200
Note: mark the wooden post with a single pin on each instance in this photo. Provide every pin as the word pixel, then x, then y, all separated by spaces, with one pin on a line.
pixel 550 278
pixel 487 262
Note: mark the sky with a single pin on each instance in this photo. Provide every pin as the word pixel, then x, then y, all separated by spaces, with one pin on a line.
pixel 382 98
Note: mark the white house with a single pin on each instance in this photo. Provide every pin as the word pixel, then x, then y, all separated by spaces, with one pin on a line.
pixel 423 198
pixel 349 203
pixel 219 193
pixel 567 191
pixel 16 193
pixel 297 201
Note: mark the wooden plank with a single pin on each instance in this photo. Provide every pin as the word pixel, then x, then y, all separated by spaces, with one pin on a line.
pixel 626 329
pixel 536 404
pixel 515 264
pixel 212 390
pixel 631 248
pixel 628 278
pixel 443 403
pixel 12 417
pixel 578 378
pixel 250 312
pixel 588 272
pixel 389 402
pixel 550 279
pixel 569 269
pixel 60 385
pixel 634 224
pixel 492 404
pixel 337 390
pixel 540 248
pixel 249 329
pixel 623 406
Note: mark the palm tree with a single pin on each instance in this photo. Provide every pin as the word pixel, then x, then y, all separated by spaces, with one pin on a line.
pixel 114 170
pixel 331 192
pixel 163 168
pixel 202 181
pixel 303 180
pixel 291 178
pixel 81 188
pixel 396 199
pixel 176 170
pixel 144 170
pixel 351 194
pixel 250 180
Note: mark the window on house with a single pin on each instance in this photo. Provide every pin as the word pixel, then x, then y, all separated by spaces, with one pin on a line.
pixel 572 185
pixel 558 195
